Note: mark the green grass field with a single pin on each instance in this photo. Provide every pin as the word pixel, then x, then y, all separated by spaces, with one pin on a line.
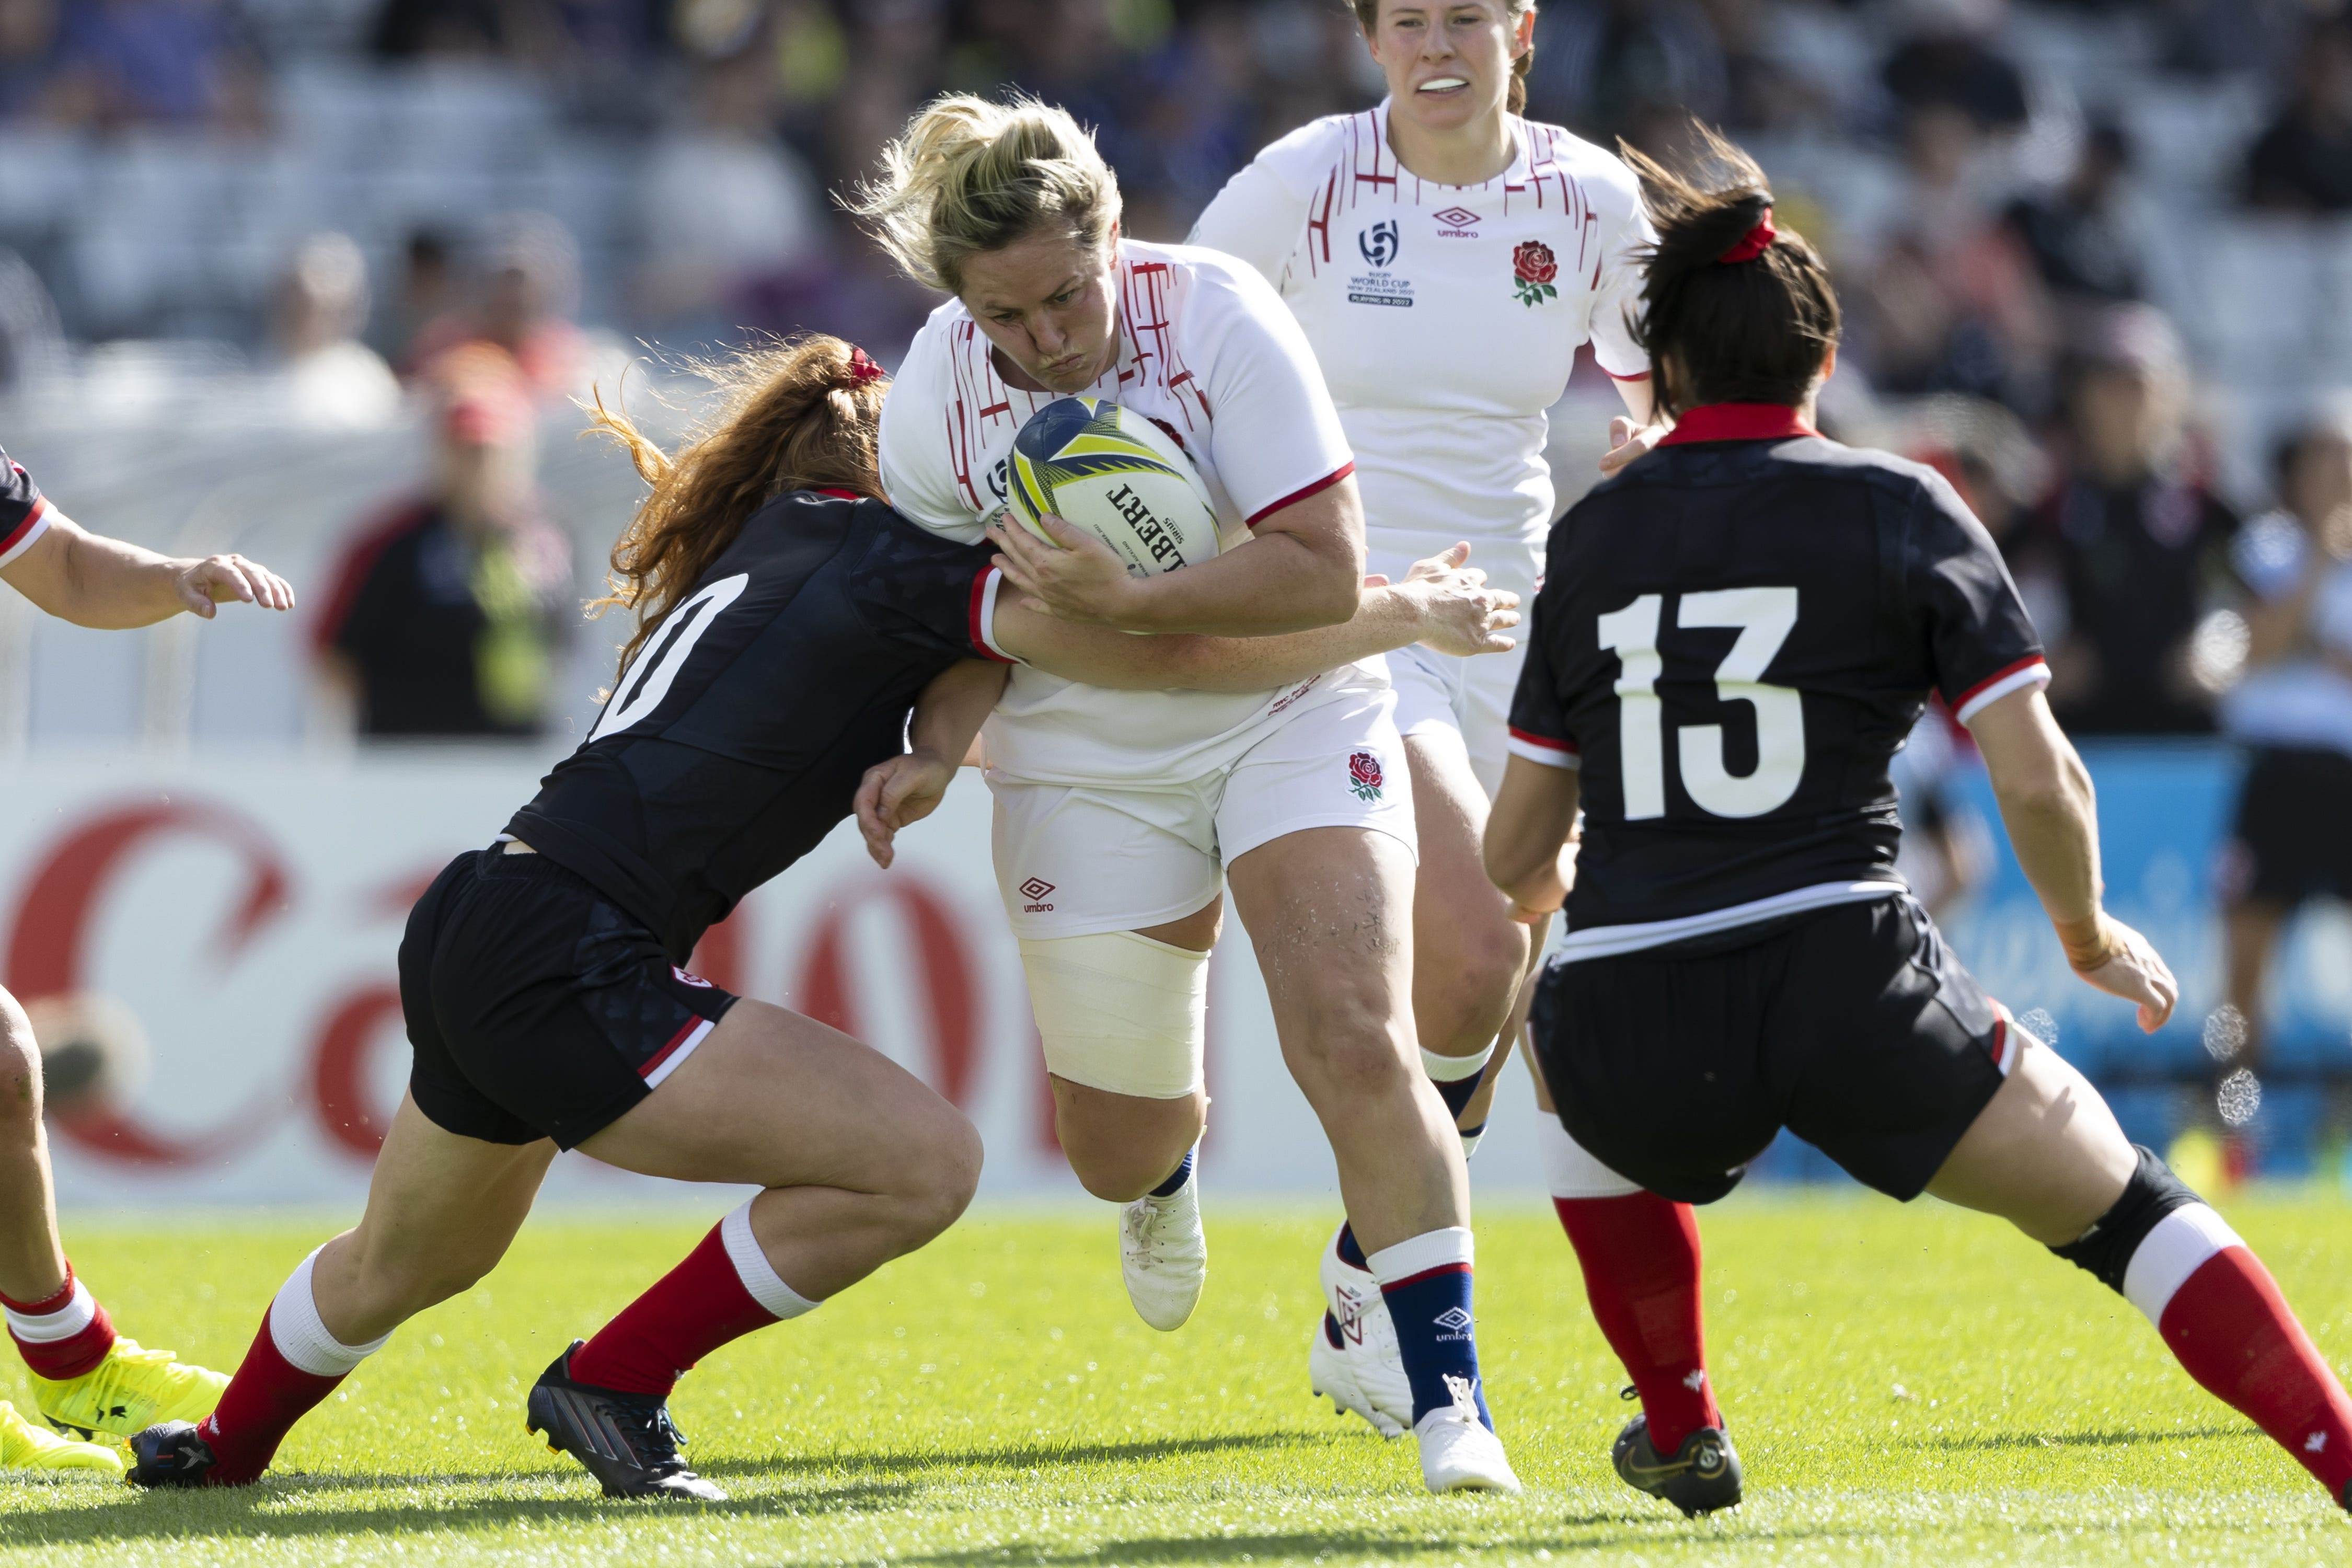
pixel 1905 1386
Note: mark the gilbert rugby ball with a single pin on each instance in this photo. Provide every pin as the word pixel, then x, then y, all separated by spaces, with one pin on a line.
pixel 1117 475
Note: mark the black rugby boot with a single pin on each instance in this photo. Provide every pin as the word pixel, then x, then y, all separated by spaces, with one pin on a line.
pixel 1703 1475
pixel 169 1454
pixel 625 1440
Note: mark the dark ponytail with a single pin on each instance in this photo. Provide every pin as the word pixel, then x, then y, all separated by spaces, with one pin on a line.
pixel 1734 310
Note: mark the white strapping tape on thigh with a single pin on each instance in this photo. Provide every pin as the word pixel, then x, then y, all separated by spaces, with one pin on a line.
pixel 1121 1011
pixel 1570 1170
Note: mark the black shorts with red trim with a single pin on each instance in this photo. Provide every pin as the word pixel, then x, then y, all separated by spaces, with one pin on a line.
pixel 538 1007
pixel 1853 1028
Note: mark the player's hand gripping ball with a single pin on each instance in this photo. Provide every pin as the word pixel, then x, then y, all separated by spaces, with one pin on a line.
pixel 1112 473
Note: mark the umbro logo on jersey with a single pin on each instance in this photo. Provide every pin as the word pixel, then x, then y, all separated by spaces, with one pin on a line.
pixel 1456 222
pixel 1380 244
pixel 1035 890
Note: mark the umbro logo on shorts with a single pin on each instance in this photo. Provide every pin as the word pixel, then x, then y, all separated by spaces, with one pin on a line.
pixel 1035 890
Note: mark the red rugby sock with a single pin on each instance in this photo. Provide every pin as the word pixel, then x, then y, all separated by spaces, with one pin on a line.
pixel 260 1405
pixel 64 1334
pixel 2238 1338
pixel 1640 1261
pixel 724 1290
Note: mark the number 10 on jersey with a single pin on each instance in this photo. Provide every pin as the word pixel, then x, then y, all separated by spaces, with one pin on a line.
pixel 1764 617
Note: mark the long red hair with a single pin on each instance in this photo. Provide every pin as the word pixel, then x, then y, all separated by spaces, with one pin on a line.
pixel 795 415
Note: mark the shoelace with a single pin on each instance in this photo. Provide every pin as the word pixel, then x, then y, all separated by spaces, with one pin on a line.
pixel 1466 1404
pixel 651 1433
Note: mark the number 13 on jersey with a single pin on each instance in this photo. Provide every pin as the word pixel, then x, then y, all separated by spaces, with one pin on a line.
pixel 1764 617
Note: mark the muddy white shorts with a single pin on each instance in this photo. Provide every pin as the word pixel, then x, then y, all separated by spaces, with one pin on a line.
pixel 1469 696
pixel 1072 860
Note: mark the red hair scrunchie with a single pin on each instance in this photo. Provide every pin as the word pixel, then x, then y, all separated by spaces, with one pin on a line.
pixel 1752 244
pixel 862 368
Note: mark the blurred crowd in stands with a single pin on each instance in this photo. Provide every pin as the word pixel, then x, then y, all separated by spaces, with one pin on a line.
pixel 2097 255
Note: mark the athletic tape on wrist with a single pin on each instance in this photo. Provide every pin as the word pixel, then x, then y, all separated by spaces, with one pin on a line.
pixel 758 1276
pixel 300 1335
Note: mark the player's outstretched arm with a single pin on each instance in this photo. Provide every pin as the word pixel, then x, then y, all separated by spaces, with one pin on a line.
pixel 909 786
pixel 1528 849
pixel 94 581
pixel 1302 568
pixel 2047 803
pixel 1442 603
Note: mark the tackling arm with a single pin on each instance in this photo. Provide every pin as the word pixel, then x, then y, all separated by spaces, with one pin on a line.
pixel 94 581
pixel 909 786
pixel 1441 603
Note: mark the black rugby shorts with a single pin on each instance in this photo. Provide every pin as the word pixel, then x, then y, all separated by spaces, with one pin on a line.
pixel 1852 1027
pixel 2293 834
pixel 538 1008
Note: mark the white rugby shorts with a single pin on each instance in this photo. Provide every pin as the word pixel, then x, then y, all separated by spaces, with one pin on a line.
pixel 1074 860
pixel 1470 695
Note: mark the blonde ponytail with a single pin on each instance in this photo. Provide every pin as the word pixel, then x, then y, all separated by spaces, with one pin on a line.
pixel 968 175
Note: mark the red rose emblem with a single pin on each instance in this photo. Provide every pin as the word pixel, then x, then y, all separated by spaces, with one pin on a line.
pixel 1364 775
pixel 1534 267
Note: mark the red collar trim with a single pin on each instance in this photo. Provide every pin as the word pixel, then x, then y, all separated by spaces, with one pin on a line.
pixel 839 495
pixel 1737 422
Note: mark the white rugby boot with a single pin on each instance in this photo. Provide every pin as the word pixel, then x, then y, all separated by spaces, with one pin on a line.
pixel 1363 1373
pixel 1163 1255
pixel 1457 1453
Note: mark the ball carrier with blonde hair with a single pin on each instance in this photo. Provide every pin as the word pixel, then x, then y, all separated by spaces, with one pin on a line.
pixel 1119 816
pixel 787 621
pixel 1447 259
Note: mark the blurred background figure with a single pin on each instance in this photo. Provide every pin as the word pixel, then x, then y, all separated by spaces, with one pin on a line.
pixel 2085 242
pixel 2293 712
pixel 2140 541
pixel 327 377
pixel 187 63
pixel 529 286
pixel 725 206
pixel 445 619
pixel 2302 164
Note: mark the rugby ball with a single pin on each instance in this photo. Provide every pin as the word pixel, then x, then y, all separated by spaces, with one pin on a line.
pixel 1117 475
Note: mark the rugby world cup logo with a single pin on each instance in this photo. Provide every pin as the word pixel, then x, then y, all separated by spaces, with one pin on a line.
pixel 1380 244
pixel 1364 775
pixel 1534 267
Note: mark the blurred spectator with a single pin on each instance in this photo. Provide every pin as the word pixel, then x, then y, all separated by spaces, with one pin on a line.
pixel 439 29
pixel 2303 162
pixel 2292 711
pixel 2084 242
pixel 166 62
pixel 29 37
pixel 1952 303
pixel 723 203
pixel 1635 69
pixel 1944 849
pixel 31 340
pixel 428 290
pixel 328 377
pixel 2138 540
pixel 529 286
pixel 447 617
pixel 1949 62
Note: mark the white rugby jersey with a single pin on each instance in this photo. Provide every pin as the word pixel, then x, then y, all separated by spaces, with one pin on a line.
pixel 1208 353
pixel 1446 317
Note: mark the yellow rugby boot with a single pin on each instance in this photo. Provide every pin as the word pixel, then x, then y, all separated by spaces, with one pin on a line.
pixel 130 1391
pixel 25 1446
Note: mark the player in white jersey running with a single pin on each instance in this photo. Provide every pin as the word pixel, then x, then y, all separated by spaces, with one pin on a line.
pixel 1117 813
pixel 1447 259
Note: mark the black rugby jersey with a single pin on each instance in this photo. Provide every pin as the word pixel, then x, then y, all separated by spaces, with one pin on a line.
pixel 1733 638
pixel 23 515
pixel 736 739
